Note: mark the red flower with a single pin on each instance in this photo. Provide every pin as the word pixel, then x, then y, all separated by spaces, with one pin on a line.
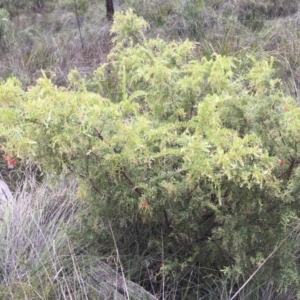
pixel 145 205
pixel 282 162
pixel 11 163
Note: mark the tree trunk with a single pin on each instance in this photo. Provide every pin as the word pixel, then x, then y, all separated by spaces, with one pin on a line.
pixel 109 9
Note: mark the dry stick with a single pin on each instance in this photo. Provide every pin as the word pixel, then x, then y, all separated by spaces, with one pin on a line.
pixel 163 264
pixel 150 275
pixel 263 263
pixel 78 23
pixel 119 261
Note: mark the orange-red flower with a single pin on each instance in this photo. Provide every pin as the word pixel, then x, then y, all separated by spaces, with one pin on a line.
pixel 145 205
pixel 11 163
pixel 282 162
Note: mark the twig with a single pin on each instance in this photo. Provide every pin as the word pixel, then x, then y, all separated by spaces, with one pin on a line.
pixel 163 264
pixel 119 261
pixel 78 22
pixel 123 173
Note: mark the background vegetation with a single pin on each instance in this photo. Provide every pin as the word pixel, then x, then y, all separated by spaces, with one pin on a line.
pixel 177 137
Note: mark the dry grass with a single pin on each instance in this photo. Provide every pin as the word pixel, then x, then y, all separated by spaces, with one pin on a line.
pixel 50 40
pixel 37 256
pixel 38 259
pixel 42 254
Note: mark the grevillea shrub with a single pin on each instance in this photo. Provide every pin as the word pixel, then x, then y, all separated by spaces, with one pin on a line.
pixel 192 160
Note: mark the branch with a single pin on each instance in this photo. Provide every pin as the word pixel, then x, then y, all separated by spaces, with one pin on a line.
pixel 131 183
pixel 128 179
pixel 291 167
pixel 123 173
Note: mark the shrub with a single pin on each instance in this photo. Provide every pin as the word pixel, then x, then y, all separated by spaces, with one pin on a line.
pixel 193 161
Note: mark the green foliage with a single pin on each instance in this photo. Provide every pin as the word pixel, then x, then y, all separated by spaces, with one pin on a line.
pixel 193 160
pixel 78 6
pixel 128 28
